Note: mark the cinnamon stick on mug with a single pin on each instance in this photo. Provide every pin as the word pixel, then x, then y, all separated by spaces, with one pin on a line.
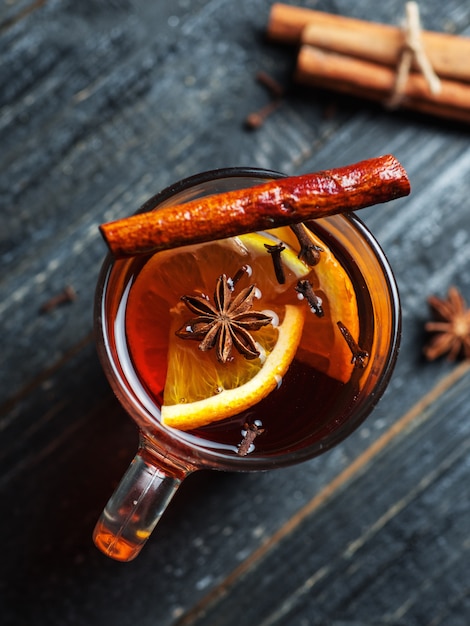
pixel 276 203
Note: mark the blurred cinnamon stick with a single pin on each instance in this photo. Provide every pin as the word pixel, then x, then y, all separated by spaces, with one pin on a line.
pixel 363 58
pixel 361 78
pixel 381 43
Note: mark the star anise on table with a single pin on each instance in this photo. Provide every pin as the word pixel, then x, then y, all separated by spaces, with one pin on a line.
pixel 226 323
pixel 450 329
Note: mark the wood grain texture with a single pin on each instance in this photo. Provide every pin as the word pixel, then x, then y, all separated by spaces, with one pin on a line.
pixel 102 105
pixel 315 584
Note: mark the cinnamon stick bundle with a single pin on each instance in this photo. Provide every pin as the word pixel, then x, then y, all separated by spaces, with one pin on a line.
pixel 361 58
pixel 448 54
pixel 269 205
pixel 361 78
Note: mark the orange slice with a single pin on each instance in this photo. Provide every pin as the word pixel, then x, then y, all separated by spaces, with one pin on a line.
pixel 154 310
pixel 228 390
pixel 323 346
pixel 192 386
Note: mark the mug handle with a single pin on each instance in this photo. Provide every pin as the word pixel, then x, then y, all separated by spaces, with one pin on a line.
pixel 137 504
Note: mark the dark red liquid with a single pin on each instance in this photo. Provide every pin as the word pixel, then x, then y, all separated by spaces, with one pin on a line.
pixel 307 406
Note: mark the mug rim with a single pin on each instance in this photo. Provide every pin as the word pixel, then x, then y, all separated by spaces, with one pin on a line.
pixel 199 457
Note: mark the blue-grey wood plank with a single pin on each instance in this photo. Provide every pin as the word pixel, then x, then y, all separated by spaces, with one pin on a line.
pixel 101 105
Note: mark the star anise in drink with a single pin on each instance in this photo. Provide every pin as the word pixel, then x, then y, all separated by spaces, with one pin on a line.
pixel 225 324
pixel 450 329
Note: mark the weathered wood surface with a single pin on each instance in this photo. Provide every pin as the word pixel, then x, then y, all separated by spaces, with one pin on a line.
pixel 101 105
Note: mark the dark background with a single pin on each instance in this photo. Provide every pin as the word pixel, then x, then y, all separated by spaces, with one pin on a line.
pixel 102 104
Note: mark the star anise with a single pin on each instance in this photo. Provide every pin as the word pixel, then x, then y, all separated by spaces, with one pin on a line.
pixel 451 329
pixel 226 323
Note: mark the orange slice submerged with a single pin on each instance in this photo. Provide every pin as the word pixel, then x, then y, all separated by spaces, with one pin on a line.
pixel 192 386
pixel 175 369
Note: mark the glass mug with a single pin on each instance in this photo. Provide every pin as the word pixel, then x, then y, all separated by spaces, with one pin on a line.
pixel 165 455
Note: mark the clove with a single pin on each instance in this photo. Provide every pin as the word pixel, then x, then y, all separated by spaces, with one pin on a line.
pixel 251 431
pixel 275 251
pixel 305 289
pixel 359 356
pixel 68 294
pixel 309 252
pixel 257 118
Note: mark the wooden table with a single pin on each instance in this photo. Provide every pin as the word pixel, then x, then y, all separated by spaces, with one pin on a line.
pixel 102 105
